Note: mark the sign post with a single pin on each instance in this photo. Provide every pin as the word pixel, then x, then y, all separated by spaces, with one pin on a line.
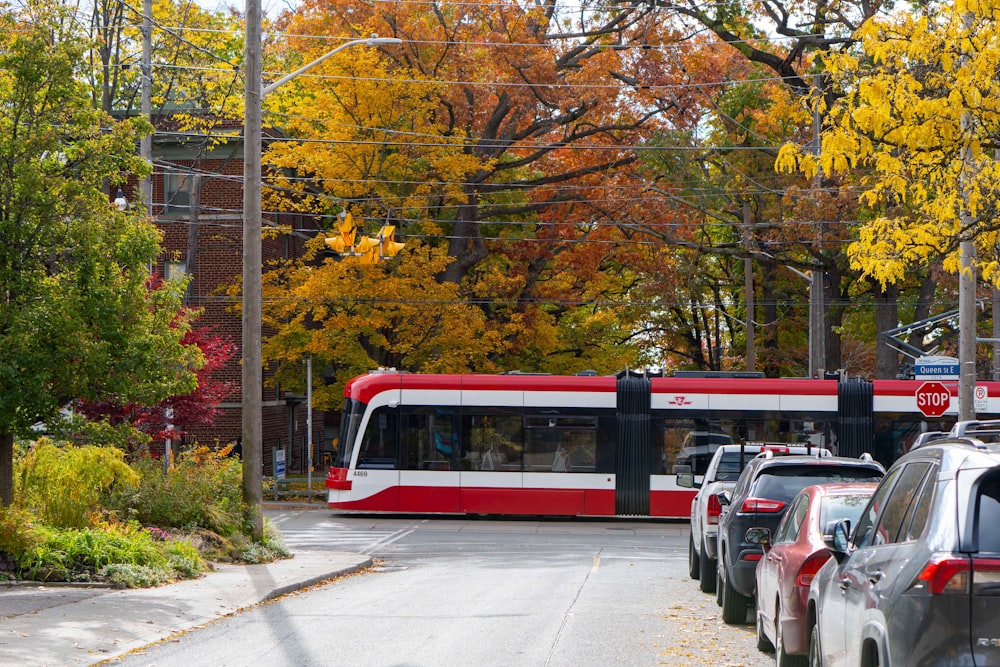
pixel 933 399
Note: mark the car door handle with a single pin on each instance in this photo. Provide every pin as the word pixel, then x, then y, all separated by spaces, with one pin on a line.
pixel 875 577
pixel 844 583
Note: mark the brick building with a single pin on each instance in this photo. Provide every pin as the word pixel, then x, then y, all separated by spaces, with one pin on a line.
pixel 197 203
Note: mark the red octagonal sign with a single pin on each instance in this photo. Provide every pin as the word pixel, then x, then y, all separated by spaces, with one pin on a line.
pixel 933 399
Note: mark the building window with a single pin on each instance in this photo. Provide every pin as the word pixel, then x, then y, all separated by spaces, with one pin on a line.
pixel 174 270
pixel 176 193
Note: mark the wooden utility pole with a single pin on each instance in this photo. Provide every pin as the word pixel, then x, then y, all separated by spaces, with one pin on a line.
pixel 751 327
pixel 251 341
pixel 817 317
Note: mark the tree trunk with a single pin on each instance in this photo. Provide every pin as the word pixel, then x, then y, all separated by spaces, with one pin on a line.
pixel 6 469
pixel 886 318
pixel 834 314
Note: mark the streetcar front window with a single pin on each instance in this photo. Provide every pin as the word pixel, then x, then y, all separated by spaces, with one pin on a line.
pixel 349 421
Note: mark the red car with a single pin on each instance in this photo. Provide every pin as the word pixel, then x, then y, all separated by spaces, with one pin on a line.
pixel 792 556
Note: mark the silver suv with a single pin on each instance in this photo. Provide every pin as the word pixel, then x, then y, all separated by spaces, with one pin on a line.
pixel 917 580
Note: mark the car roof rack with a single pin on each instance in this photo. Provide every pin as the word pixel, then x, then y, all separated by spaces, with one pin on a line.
pixel 928 436
pixel 989 429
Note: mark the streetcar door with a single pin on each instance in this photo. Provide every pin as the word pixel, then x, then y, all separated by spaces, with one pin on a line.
pixel 632 460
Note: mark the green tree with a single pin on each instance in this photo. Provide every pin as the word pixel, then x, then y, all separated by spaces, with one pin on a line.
pixel 76 316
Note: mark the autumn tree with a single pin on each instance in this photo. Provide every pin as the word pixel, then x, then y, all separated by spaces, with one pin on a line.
pixel 507 135
pixel 918 122
pixel 351 316
pixel 76 318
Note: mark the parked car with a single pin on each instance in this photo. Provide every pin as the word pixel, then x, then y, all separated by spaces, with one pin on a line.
pixel 792 556
pixel 723 470
pixel 759 500
pixel 917 581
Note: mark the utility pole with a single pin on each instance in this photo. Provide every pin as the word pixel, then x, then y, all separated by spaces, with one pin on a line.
pixel 145 101
pixel 817 319
pixel 751 327
pixel 252 373
pixel 967 275
pixel 251 343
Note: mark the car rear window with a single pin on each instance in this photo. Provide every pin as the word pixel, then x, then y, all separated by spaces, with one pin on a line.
pixel 989 514
pixel 729 466
pixel 783 483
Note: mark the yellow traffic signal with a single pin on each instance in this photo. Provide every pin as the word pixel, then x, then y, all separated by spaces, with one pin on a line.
pixel 347 229
pixel 367 248
pixel 389 247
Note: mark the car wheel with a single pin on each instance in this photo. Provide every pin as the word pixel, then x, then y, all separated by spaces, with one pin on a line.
pixel 718 577
pixel 815 652
pixel 763 643
pixel 707 573
pixel 734 603
pixel 781 658
pixel 694 564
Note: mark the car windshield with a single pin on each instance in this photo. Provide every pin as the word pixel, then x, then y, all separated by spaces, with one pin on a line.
pixel 835 508
pixel 783 483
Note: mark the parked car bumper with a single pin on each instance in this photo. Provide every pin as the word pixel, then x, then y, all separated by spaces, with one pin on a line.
pixel 711 545
pixel 743 574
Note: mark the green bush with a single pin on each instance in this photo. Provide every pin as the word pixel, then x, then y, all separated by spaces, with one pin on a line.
pixel 17 530
pixel 270 548
pixel 65 485
pixel 201 489
pixel 113 552
pixel 135 576
pixel 83 514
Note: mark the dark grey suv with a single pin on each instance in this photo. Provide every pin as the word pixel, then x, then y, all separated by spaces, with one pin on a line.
pixel 762 494
pixel 918 582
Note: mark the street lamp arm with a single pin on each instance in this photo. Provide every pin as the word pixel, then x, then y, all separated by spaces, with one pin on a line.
pixel 367 41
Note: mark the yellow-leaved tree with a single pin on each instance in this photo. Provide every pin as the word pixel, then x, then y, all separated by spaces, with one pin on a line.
pixel 919 122
pixel 351 316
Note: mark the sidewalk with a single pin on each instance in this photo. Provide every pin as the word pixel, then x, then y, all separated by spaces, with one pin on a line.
pixel 45 626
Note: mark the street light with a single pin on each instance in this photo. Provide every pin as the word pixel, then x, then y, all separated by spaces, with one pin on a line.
pixel 252 403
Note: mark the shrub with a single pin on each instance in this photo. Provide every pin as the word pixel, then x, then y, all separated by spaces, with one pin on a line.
pixel 17 530
pixel 66 485
pixel 202 489
pixel 121 553
pixel 270 548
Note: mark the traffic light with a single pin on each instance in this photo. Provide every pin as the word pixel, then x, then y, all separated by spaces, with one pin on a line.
pixel 367 249
pixel 347 229
pixel 388 246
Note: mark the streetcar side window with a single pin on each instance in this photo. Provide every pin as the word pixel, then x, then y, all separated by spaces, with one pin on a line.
pixel 560 443
pixel 379 446
pixel 495 442
pixel 431 439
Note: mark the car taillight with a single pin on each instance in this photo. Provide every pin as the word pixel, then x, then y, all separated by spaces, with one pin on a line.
pixel 714 510
pixel 762 506
pixel 809 570
pixel 945 574
pixel 751 556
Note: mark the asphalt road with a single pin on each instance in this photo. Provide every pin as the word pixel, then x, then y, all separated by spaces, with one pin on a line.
pixel 480 592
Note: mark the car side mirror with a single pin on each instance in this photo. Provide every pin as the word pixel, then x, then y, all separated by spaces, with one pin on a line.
pixel 761 536
pixel 723 498
pixel 837 537
pixel 685 480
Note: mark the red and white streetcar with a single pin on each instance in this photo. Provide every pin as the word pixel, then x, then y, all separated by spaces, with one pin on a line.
pixel 587 445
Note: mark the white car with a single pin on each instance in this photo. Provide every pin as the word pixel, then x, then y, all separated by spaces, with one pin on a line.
pixel 723 470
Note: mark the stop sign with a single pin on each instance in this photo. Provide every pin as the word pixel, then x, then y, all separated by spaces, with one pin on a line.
pixel 933 399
